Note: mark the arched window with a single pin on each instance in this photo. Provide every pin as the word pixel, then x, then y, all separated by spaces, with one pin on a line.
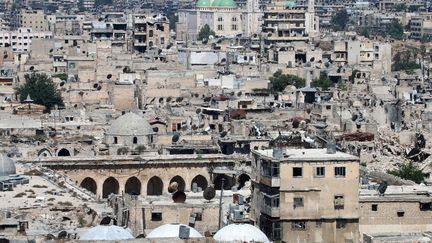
pixel 135 140
pixel 150 33
pixel 133 186
pixel 154 186
pixel 110 185
pixel 89 184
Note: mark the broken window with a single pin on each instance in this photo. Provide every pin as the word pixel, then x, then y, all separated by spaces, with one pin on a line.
pixel 156 217
pixel 339 202
pixel 341 223
pixel 425 206
pixel 374 207
pixel 298 225
pixel 340 171
pixel 298 202
pixel 328 107
pixel 320 171
pixel 297 172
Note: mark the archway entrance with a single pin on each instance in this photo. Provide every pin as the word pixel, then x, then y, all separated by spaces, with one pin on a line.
pixel 110 185
pixel 154 186
pixel 200 181
pixel 218 182
pixel 179 182
pixel 63 152
pixel 242 179
pixel 133 186
pixel 89 184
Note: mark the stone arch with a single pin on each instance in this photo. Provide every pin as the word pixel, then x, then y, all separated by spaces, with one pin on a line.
pixel 89 184
pixel 181 185
pixel 133 186
pixel 63 152
pixel 154 186
pixel 242 179
pixel 217 181
pixel 110 185
pixel 201 181
pixel 44 153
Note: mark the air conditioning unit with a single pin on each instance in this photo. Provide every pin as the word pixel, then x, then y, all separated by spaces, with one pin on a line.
pixel 238 215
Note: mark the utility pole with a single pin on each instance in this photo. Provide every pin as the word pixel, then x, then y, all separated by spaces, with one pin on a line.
pixel 220 204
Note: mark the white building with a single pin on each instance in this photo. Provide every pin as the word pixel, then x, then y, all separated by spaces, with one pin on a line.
pixel 20 40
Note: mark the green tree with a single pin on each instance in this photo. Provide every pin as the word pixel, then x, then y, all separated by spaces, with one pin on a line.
pixel 399 7
pixel 103 2
pixel 81 6
pixel 279 81
pixel 364 32
pixel 173 19
pixel 340 20
pixel 409 172
pixel 205 32
pixel 41 89
pixel 395 30
pixel 323 82
pixel 413 8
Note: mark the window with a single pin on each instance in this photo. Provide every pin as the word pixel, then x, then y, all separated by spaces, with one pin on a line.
pixel 115 140
pixel 220 19
pixel 135 140
pixel 234 27
pixel 150 33
pixel 298 202
pixel 425 206
pixel 234 19
pixel 297 172
pixel 400 213
pixel 298 225
pixel 319 171
pixel 156 217
pixel 339 202
pixel 220 27
pixel 340 171
pixel 374 207
pixel 340 223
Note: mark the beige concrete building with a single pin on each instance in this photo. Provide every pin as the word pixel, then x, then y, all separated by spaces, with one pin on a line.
pixel 34 19
pixel 286 21
pixel 399 209
pixel 421 26
pixel 306 195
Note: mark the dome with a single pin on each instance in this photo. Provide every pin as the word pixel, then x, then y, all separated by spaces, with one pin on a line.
pixel 7 166
pixel 240 233
pixel 290 4
pixel 202 3
pixel 224 4
pixel 106 232
pixel 171 231
pixel 130 124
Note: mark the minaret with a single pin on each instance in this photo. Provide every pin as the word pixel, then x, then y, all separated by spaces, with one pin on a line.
pixel 311 25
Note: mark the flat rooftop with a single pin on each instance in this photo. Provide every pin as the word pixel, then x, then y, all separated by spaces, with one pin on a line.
pixel 306 155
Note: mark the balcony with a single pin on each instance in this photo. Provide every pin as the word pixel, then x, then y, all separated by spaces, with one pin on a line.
pixel 270 205
pixel 270 175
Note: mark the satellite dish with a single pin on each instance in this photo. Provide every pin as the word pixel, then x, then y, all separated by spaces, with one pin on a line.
pixel 211 37
pixel 179 197
pixel 209 193
pixel 173 187
pixel 223 134
pixel 198 111
pixel 175 138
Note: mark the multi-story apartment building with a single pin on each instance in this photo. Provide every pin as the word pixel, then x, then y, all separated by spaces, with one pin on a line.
pixel 389 4
pixel 150 32
pixel 88 4
pixel 306 195
pixel 421 26
pixel 21 39
pixel 34 19
pixel 287 21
